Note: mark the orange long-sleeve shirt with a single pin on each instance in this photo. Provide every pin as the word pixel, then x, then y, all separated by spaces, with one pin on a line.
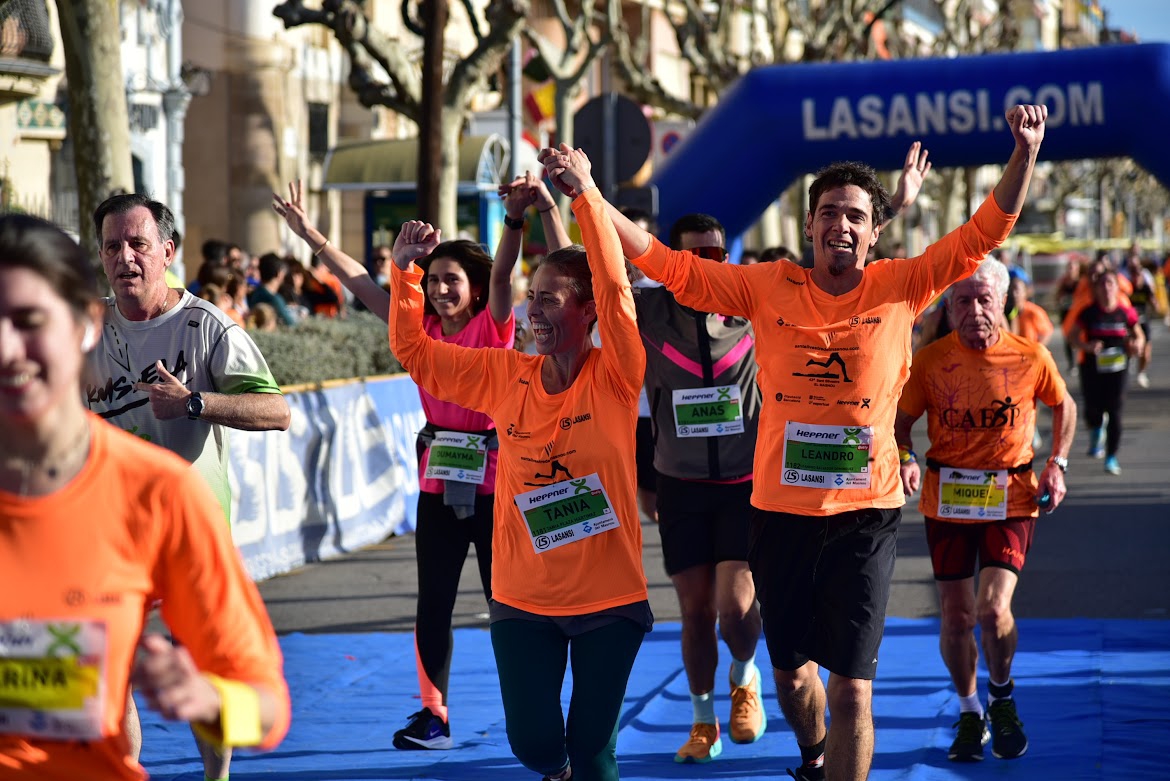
pixel 829 361
pixel 81 564
pixel 547 438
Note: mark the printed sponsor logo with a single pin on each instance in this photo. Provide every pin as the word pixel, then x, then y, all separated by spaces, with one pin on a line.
pixel 1003 414
pixel 567 423
pixel 958 112
pixel 834 359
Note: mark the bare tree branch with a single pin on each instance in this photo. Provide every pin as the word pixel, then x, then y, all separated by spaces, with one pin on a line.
pixel 473 20
pixel 505 18
pixel 640 83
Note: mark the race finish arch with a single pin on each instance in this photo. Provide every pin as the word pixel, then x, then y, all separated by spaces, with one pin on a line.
pixel 783 121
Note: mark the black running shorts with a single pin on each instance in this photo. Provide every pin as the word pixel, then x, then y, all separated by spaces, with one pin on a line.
pixel 703 523
pixel 823 583
pixel 644 454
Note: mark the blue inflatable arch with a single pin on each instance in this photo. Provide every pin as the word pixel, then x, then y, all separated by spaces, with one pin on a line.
pixel 783 121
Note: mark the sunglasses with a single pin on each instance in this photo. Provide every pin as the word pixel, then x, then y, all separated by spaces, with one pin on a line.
pixel 710 253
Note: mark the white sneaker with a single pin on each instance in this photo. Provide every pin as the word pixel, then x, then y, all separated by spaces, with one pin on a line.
pixel 1143 380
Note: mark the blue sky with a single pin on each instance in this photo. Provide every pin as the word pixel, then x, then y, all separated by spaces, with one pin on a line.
pixel 1150 19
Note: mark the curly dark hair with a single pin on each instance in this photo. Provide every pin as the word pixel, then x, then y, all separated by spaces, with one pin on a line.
pixel 851 173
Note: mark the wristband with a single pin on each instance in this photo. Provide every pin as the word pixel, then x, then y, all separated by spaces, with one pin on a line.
pixel 546 211
pixel 239 715
pixel 515 225
pixel 317 252
pixel 907 456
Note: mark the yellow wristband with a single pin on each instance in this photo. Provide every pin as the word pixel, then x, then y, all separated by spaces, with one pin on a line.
pixel 907 456
pixel 239 715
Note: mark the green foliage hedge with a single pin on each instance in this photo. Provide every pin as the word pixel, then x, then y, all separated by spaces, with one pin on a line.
pixel 321 348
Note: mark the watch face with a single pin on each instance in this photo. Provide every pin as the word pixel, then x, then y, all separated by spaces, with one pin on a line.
pixel 195 406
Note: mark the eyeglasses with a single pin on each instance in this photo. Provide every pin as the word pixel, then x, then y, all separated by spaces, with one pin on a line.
pixel 710 253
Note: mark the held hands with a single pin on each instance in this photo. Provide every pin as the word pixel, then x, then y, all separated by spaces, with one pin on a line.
pixel 417 239
pixel 524 191
pixel 293 210
pixel 168 396
pixel 569 169
pixel 171 683
pixel 1027 124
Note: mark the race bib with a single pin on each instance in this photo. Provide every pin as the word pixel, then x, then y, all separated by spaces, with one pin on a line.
pixel 457 456
pixel 1111 360
pixel 52 679
pixel 972 493
pixel 707 412
pixel 826 456
pixel 566 512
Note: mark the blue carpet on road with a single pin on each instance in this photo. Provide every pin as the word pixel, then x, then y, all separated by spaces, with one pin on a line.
pixel 1092 694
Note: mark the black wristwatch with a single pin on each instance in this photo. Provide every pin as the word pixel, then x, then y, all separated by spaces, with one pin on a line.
pixel 1060 461
pixel 516 225
pixel 194 406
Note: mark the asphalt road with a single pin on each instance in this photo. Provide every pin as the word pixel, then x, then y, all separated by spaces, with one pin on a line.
pixel 1102 554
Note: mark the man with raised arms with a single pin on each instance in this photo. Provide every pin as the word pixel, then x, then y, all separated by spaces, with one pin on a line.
pixel 833 345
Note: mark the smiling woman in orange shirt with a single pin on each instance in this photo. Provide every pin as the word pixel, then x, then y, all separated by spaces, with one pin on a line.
pixel 95 523
pixel 567 579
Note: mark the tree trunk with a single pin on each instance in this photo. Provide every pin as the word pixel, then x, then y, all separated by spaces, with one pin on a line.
pixel 432 126
pixel 447 171
pixel 98 121
pixel 564 130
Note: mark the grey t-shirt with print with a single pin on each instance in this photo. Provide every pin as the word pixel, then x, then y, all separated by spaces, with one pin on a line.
pixel 202 347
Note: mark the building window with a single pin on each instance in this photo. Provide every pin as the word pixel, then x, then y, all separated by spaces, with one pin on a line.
pixel 318 129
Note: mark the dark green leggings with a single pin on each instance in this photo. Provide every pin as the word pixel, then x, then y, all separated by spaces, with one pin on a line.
pixel 531 658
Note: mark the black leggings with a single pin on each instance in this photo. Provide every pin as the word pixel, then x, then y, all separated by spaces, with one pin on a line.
pixel 531 658
pixel 440 546
pixel 1104 393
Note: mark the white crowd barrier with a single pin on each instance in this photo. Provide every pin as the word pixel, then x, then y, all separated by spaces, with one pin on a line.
pixel 343 476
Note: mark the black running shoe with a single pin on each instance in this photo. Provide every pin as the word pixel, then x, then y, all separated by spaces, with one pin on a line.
pixel 808 773
pixel 1007 731
pixel 423 730
pixel 973 736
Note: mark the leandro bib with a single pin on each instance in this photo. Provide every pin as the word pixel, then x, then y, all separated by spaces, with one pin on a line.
pixel 827 457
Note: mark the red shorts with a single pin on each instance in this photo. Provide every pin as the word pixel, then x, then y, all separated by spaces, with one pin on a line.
pixel 955 547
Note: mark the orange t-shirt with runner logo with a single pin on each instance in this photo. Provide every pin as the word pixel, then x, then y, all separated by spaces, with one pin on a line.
pixel 831 367
pixel 981 412
pixel 551 444
pixel 79 567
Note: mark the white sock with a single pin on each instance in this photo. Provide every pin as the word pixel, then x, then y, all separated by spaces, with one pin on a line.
pixel 742 672
pixel 704 708
pixel 970 704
